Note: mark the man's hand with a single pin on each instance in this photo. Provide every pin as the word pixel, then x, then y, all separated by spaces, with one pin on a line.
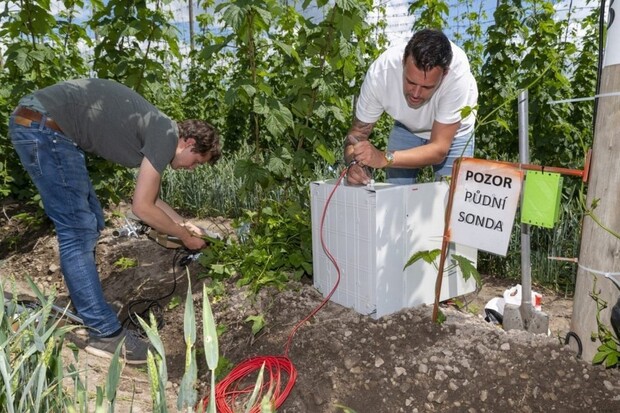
pixel 197 231
pixel 192 241
pixel 358 153
pixel 363 155
pixel 357 175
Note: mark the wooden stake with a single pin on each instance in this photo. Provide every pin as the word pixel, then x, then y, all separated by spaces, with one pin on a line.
pixel 446 237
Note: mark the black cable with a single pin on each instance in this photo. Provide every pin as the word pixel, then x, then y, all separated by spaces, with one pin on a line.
pixel 601 29
pixel 153 304
pixel 577 339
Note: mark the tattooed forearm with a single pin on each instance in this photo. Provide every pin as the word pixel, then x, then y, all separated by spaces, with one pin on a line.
pixel 361 130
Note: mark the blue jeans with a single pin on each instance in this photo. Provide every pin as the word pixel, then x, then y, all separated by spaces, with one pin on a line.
pixel 57 167
pixel 401 138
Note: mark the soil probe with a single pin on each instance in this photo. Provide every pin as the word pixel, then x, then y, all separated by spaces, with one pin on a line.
pixel 525 316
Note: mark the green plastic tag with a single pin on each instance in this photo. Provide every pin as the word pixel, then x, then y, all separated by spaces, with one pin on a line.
pixel 541 199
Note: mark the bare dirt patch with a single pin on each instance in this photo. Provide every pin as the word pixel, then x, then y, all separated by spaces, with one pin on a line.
pixel 399 363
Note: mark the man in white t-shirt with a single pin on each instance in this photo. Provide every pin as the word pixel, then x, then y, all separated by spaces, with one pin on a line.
pixel 425 86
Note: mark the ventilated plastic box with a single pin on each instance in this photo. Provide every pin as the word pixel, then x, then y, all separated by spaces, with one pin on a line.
pixel 371 232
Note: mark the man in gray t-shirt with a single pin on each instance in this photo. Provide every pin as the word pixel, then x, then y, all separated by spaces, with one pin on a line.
pixel 52 128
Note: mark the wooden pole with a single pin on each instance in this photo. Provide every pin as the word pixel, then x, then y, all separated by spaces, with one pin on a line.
pixel 600 249
pixel 445 243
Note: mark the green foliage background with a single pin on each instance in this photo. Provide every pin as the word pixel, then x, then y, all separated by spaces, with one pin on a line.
pixel 280 86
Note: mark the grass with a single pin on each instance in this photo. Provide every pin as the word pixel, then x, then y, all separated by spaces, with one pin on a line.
pixel 214 190
pixel 207 190
pixel 34 378
pixel 32 371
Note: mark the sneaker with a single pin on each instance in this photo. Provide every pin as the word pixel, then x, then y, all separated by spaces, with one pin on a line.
pixel 134 349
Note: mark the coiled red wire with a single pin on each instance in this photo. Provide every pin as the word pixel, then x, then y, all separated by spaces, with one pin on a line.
pixel 279 371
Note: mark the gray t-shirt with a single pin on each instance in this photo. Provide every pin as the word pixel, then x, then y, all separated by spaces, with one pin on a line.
pixel 110 120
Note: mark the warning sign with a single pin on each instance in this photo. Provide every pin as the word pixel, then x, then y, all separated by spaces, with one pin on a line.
pixel 484 205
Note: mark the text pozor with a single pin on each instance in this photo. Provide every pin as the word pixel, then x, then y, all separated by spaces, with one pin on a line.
pixel 489 179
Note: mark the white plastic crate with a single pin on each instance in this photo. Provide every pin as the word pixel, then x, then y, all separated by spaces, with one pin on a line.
pixel 372 232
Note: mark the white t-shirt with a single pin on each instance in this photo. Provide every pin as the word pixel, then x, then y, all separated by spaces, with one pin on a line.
pixel 382 91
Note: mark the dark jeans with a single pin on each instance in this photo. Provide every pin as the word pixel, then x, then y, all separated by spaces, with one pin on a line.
pixel 57 167
pixel 401 138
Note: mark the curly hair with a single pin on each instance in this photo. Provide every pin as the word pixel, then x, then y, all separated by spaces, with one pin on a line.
pixel 206 137
pixel 429 48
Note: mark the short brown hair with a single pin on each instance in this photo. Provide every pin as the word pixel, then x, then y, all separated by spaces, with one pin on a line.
pixel 206 137
pixel 429 48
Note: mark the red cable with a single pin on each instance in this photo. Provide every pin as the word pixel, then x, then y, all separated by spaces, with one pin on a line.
pixel 331 258
pixel 227 390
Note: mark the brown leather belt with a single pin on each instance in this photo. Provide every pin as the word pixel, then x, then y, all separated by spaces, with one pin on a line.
pixel 25 117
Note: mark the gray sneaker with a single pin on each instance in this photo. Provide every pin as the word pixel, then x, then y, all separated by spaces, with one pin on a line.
pixel 134 349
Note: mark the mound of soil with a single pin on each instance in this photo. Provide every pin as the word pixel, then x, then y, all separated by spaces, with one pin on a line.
pixel 400 363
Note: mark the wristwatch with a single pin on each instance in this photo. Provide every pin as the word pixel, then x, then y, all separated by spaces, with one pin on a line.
pixel 389 157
